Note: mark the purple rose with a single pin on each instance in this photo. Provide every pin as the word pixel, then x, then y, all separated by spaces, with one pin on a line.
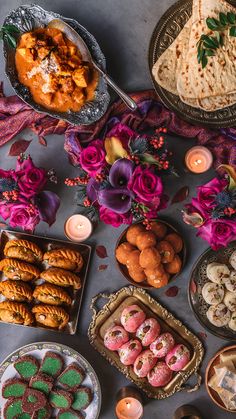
pixel 25 216
pixel 111 217
pixel 92 158
pixel 31 179
pixel 147 186
pixel 219 233
pixel 207 193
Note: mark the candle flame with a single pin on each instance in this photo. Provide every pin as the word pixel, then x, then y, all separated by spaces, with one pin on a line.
pixel 128 405
pixel 79 226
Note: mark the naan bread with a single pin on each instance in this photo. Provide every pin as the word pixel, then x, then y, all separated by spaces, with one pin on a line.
pixel 168 65
pixel 218 78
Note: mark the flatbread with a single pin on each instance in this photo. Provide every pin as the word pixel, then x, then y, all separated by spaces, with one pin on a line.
pixel 218 77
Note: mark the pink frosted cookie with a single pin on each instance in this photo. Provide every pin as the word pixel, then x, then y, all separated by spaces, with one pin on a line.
pixel 129 351
pixel 144 363
pixel 115 337
pixel 178 357
pixel 148 331
pixel 160 375
pixel 162 345
pixel 132 317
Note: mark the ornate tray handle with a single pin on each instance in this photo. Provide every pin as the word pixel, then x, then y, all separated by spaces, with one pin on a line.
pixel 97 297
pixel 188 387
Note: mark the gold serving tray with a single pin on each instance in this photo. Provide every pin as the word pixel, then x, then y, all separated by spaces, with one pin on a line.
pixel 46 244
pixel 110 315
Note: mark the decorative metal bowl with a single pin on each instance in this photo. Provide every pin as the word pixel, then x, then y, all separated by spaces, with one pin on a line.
pixel 29 17
pixel 123 268
pixel 198 278
pixel 164 34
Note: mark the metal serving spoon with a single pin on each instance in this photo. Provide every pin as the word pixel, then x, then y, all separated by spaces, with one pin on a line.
pixel 73 36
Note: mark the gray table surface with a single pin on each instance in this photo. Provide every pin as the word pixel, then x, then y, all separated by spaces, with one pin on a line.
pixel 123 28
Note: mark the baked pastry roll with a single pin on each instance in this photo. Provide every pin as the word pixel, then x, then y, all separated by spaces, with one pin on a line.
pixel 64 258
pixel 14 312
pixel 51 294
pixel 23 250
pixel 61 277
pixel 16 291
pixel 14 269
pixel 51 316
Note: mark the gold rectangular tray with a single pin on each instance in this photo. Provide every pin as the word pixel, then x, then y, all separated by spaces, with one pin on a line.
pixel 110 315
pixel 46 244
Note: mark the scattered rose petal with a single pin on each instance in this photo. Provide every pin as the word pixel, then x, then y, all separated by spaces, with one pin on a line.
pixel 193 287
pixel 102 268
pixel 180 195
pixel 42 141
pixel 18 147
pixel 172 291
pixel 101 252
pixel 202 335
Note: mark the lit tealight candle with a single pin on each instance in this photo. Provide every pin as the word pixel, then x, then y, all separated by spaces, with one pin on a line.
pixel 129 404
pixel 198 159
pixel 78 228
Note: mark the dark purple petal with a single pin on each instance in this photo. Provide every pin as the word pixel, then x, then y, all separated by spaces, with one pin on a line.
pixel 48 203
pixel 92 189
pixel 120 173
pixel 117 200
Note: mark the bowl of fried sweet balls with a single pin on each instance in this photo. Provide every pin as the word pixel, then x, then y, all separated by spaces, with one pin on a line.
pixel 150 258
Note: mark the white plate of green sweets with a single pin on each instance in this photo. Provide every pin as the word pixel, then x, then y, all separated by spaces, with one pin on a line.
pixel 44 380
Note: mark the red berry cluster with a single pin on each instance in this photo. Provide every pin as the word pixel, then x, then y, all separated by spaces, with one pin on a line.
pixel 11 195
pixel 229 211
pixel 87 202
pixel 147 223
pixel 77 181
pixel 157 142
pixel 133 158
pixel 31 209
pixel 100 177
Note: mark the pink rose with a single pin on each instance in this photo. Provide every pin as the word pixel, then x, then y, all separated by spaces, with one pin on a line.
pixel 92 158
pixel 219 233
pixel 207 193
pixel 5 209
pixel 25 216
pixel 31 179
pixel 111 217
pixel 147 186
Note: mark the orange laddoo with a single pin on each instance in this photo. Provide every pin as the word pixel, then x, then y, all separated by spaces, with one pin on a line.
pixel 159 229
pixel 174 266
pixel 175 241
pixel 146 239
pixel 158 281
pixel 123 251
pixel 166 251
pixel 133 260
pixel 149 258
pixel 137 275
pixel 133 232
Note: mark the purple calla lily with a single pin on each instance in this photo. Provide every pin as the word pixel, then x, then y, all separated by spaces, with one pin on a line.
pixel 120 173
pixel 118 200
pixel 48 203
pixel 92 189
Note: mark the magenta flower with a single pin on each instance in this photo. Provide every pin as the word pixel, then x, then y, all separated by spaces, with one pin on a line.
pixel 25 216
pixel 31 179
pixel 113 218
pixel 207 193
pixel 147 186
pixel 92 158
pixel 123 132
pixel 218 233
pixel 5 209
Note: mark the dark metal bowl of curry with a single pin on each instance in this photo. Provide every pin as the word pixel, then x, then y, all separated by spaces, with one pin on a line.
pixel 47 71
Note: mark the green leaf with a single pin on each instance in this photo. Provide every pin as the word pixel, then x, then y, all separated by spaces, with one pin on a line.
pixel 221 41
pixel 1 35
pixel 11 40
pixel 204 61
pixel 223 19
pixel 211 43
pixel 10 29
pixel 209 53
pixel 200 53
pixel 231 18
pixel 232 31
pixel 148 158
pixel 213 24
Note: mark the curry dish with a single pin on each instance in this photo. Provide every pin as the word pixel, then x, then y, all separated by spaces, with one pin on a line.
pixel 50 65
